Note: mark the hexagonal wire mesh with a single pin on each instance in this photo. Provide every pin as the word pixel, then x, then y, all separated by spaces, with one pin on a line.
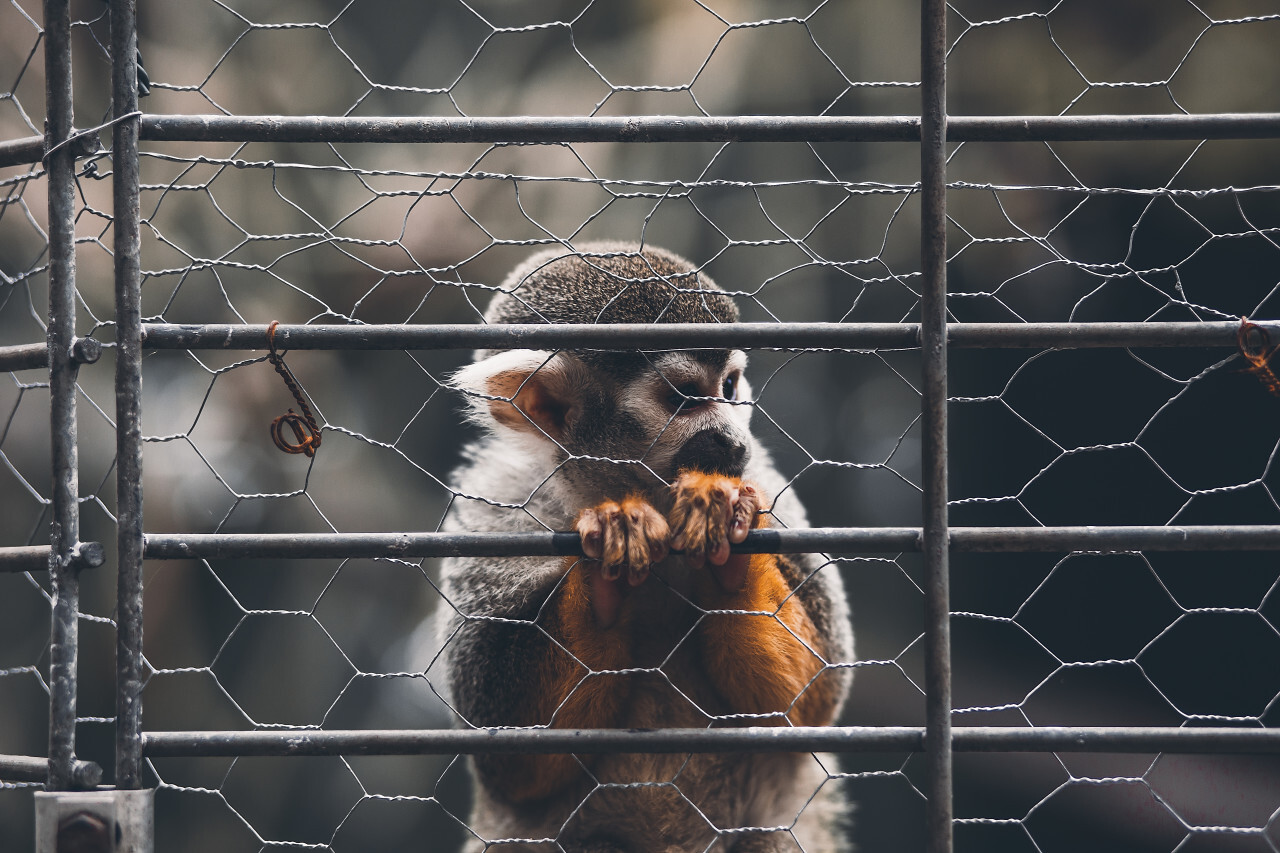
pixel 250 227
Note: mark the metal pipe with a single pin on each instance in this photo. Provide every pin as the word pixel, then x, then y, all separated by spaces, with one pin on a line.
pixel 221 128
pixel 128 383
pixel 24 357
pixel 823 540
pixel 22 768
pixel 1087 128
pixel 17 152
pixel 557 129
pixel 1117 539
pixel 532 335
pixel 526 129
pixel 693 335
pixel 65 528
pixel 35 558
pixel 356 545
pixel 32 356
pixel 933 450
pixel 30 149
pixel 842 739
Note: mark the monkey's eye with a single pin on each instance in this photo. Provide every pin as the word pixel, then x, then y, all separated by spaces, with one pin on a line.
pixel 729 390
pixel 681 393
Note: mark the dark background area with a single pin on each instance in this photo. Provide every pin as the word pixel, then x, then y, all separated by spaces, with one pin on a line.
pixel 1082 231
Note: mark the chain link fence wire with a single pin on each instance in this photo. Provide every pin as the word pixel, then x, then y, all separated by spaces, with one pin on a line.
pixel 353 232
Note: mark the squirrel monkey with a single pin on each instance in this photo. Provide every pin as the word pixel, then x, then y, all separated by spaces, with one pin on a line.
pixel 649 457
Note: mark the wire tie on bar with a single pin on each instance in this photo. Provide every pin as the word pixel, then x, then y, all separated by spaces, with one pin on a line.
pixel 1255 348
pixel 304 426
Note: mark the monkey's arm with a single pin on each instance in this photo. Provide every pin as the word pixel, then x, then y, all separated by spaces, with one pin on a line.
pixel 768 660
pixel 549 665
pixel 559 667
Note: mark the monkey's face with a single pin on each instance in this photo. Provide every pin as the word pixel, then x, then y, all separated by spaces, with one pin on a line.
pixel 618 423
pixel 695 410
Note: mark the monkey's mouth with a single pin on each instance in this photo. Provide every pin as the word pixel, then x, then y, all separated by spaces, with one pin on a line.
pixel 712 452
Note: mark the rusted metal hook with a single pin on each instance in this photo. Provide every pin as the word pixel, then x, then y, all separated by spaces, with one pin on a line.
pixel 304 426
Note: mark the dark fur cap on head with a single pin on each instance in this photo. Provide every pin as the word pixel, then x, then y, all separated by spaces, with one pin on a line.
pixel 610 282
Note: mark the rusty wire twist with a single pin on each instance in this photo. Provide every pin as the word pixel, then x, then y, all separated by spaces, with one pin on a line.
pixel 304 426
pixel 1255 348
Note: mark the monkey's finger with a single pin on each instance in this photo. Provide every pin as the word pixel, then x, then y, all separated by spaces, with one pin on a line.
pixel 592 533
pixel 744 511
pixel 615 535
pixel 726 500
pixel 602 535
pixel 716 522
pixel 647 537
pixel 647 552
pixel 637 575
pixel 690 527
pixel 687 509
pixel 637 551
pixel 698 513
pixel 719 553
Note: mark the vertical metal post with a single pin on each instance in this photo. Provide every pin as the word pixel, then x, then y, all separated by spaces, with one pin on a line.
pixel 124 165
pixel 933 258
pixel 65 529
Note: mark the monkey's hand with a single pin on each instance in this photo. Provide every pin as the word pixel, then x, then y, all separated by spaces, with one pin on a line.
pixel 710 513
pixel 622 540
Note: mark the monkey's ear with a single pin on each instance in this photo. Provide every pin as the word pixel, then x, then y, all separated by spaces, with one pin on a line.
pixel 529 391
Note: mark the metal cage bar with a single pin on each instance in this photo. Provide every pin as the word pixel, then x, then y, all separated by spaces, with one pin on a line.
pixel 692 335
pixel 65 529
pixel 844 739
pixel 128 382
pixel 221 128
pixel 833 540
pixel 275 128
pixel 933 334
pixel 35 558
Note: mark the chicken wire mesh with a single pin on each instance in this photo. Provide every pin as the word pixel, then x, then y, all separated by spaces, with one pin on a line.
pixel 304 233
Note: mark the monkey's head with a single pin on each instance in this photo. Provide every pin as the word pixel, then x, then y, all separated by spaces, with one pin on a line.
pixel 615 421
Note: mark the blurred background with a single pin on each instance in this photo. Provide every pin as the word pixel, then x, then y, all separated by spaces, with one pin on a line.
pixel 374 233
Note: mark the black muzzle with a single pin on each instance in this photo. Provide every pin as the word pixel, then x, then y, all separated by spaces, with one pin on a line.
pixel 713 452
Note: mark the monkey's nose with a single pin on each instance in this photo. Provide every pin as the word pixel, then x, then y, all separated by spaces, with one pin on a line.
pixel 713 452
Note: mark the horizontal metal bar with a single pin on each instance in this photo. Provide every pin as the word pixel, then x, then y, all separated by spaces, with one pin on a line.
pixel 16 152
pixel 35 558
pixel 829 540
pixel 533 335
pixel 30 149
pixel 845 739
pixel 552 129
pixel 540 129
pixel 31 356
pixel 1218 537
pixel 1112 127
pixel 23 768
pixel 24 357
pixel 177 546
pixel 692 335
